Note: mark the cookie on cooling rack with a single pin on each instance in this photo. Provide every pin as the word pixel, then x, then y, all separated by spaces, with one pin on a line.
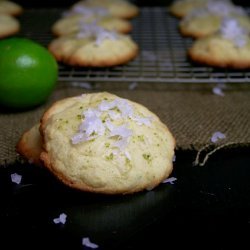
pixel 102 143
pixel 73 23
pixel 94 47
pixel 9 25
pixel 207 20
pixel 228 48
pixel 10 8
pixel 30 145
pixel 181 8
pixel 117 8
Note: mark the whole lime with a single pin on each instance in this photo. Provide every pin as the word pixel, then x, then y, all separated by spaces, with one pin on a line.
pixel 28 73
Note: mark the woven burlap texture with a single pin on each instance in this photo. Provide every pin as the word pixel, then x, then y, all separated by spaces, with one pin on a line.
pixel 192 113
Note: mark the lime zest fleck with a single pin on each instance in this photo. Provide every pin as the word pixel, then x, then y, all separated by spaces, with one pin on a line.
pixel 109 157
pixel 79 117
pixel 141 138
pixel 147 157
pixel 128 162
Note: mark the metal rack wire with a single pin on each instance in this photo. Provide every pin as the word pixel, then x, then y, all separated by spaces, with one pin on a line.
pixel 162 58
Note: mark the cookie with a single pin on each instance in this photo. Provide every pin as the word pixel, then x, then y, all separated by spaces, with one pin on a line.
pixel 94 47
pixel 228 48
pixel 117 8
pixel 10 8
pixel 30 145
pixel 207 20
pixel 102 143
pixel 73 24
pixel 9 25
pixel 181 8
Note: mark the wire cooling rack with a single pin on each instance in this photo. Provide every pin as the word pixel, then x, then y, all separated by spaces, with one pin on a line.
pixel 162 58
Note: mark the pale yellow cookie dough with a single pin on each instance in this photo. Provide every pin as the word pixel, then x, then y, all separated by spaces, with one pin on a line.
pixel 219 51
pixel 102 143
pixel 207 20
pixel 101 48
pixel 10 8
pixel 117 8
pixel 9 25
pixel 30 145
pixel 73 24
pixel 181 8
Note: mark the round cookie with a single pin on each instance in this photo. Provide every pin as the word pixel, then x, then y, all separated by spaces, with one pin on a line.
pixel 102 143
pixel 181 8
pixel 30 145
pixel 228 48
pixel 207 20
pixel 10 8
pixel 94 47
pixel 117 8
pixel 9 25
pixel 73 24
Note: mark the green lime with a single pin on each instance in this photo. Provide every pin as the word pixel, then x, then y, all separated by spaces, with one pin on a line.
pixel 28 73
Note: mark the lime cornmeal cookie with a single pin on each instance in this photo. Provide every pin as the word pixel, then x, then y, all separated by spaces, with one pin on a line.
pixel 102 143
pixel 207 20
pixel 8 25
pixel 117 8
pixel 73 24
pixel 181 8
pixel 94 47
pixel 10 8
pixel 30 145
pixel 228 48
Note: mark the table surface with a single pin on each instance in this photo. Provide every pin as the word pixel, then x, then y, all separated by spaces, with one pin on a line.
pixel 210 203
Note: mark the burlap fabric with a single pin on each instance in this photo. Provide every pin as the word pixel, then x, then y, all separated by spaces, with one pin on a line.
pixel 191 111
